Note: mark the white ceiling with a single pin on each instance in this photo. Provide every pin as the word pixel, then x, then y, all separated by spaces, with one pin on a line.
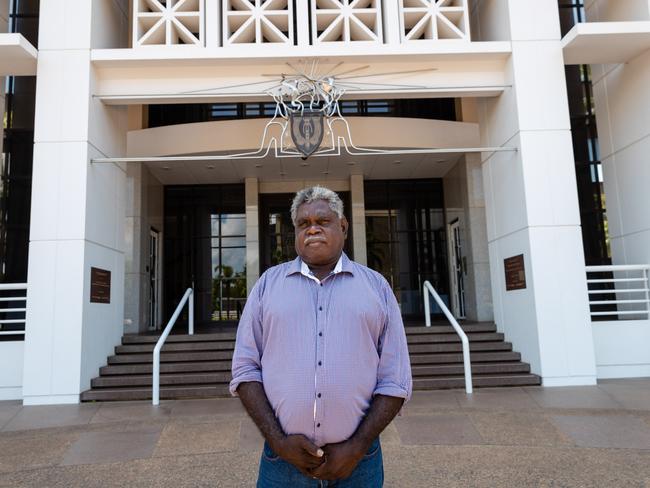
pixel 373 167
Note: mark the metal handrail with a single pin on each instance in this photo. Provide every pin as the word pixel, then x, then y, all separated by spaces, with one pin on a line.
pixel 428 289
pixel 11 287
pixel 638 293
pixel 187 297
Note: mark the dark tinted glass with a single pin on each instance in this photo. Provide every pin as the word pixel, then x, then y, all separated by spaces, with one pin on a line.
pixel 406 238
pixel 205 244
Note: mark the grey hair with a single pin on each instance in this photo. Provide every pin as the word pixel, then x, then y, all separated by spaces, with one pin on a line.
pixel 311 194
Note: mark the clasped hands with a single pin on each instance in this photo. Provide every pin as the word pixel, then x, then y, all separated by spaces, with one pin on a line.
pixel 331 462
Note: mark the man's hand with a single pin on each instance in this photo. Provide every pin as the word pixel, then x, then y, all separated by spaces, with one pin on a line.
pixel 299 451
pixel 340 460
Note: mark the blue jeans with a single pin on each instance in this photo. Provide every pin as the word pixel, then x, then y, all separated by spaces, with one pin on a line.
pixel 277 473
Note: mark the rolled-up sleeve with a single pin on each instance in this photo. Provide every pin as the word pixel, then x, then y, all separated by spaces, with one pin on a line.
pixel 394 371
pixel 246 361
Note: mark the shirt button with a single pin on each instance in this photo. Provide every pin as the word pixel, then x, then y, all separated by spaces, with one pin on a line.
pixel 318 395
pixel 320 308
pixel 320 363
pixel 321 284
pixel 317 425
pixel 320 334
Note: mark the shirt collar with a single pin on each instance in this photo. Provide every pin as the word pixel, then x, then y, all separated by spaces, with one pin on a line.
pixel 342 265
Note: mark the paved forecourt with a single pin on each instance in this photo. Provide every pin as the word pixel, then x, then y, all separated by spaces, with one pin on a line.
pixel 533 436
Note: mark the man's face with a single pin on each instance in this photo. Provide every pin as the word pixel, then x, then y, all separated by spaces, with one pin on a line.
pixel 320 233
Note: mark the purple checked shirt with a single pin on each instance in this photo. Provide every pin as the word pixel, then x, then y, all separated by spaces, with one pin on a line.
pixel 322 349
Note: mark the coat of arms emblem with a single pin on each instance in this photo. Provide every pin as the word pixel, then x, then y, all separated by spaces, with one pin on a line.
pixel 307 131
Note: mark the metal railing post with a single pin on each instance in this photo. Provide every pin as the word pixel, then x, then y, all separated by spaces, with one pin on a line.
pixel 156 376
pixel 647 292
pixel 191 314
pixel 427 308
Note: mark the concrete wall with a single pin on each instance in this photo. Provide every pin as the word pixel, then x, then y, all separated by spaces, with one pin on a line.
pixel 465 201
pixel 77 216
pixel 531 197
pixel 617 10
pixel 11 370
pixel 622 102
pixel 622 348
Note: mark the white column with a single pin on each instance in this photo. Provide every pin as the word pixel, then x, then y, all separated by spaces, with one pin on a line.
pixel 392 24
pixel 252 232
pixel 4 26
pixel 213 31
pixel 358 215
pixel 622 102
pixel 531 200
pixel 78 211
pixel 302 22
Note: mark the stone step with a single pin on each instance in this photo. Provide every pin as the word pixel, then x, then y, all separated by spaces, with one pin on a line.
pixel 437 338
pixel 221 390
pixel 166 393
pixel 478 381
pixel 477 357
pixel 177 346
pixel 457 346
pixel 190 367
pixel 478 368
pixel 148 339
pixel 453 337
pixel 223 377
pixel 171 357
pixel 421 329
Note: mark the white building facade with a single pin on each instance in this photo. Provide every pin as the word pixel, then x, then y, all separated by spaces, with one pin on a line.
pixel 465 102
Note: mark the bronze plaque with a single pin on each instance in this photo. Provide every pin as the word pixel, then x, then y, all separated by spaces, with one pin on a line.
pixel 515 273
pixel 100 286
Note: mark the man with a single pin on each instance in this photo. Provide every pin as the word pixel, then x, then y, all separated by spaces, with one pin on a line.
pixel 321 362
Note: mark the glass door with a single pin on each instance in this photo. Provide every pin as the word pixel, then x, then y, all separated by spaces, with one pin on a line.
pixel 405 238
pixel 457 270
pixel 205 247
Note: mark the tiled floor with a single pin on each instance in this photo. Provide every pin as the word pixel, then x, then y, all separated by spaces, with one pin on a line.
pixel 519 437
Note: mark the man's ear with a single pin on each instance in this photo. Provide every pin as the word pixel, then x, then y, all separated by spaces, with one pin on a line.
pixel 344 226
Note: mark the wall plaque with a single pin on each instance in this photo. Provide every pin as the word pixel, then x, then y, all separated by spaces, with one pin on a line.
pixel 100 286
pixel 515 273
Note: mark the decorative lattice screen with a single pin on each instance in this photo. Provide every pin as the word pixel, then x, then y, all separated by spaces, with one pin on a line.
pixel 346 21
pixel 258 21
pixel 434 19
pixel 168 22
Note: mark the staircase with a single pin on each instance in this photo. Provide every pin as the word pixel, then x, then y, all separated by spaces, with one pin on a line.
pixel 198 366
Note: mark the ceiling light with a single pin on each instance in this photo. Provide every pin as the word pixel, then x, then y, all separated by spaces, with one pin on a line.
pixel 258 165
pixel 166 168
pixel 441 161
pixel 210 166
pixel 397 162
pixel 304 164
pixel 350 163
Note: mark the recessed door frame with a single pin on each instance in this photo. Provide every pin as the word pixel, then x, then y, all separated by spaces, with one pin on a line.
pixel 456 270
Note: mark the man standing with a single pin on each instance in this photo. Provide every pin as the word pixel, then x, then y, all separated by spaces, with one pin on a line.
pixel 321 362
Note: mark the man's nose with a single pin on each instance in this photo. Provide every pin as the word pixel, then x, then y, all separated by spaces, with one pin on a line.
pixel 314 229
